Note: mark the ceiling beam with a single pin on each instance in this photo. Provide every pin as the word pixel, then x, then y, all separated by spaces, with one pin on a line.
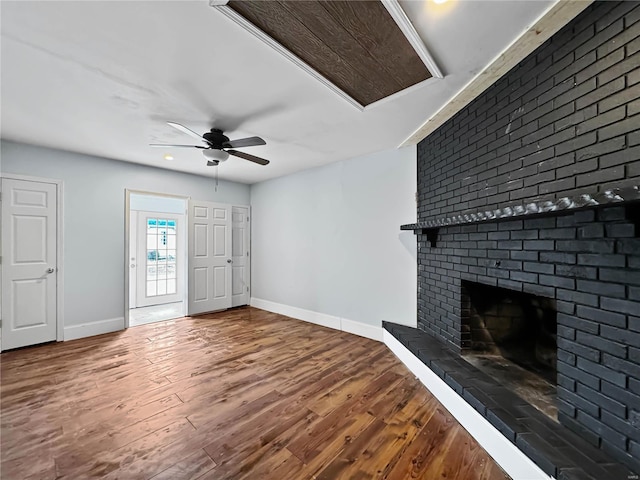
pixel 561 13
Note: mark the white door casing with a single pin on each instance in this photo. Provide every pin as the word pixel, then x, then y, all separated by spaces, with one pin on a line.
pixel 240 256
pixel 209 257
pixel 133 258
pixel 159 263
pixel 29 262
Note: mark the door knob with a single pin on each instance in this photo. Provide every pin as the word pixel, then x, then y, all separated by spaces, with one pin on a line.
pixel 229 260
pixel 51 270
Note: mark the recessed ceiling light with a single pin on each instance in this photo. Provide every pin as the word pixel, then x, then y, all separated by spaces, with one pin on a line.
pixel 439 2
pixel 168 157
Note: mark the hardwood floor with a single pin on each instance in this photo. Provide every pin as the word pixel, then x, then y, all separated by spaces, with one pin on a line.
pixel 242 394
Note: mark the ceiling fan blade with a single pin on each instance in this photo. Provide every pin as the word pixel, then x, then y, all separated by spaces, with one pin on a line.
pixel 244 142
pixel 184 129
pixel 173 146
pixel 246 156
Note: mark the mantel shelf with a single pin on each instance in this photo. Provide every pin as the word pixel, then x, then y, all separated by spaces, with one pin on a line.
pixel 559 206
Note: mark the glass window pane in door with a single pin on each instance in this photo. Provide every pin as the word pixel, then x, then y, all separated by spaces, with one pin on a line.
pixel 171 286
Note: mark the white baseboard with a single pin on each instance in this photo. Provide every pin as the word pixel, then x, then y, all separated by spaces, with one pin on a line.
pixel 299 313
pixel 506 454
pixel 337 323
pixel 362 329
pixel 73 332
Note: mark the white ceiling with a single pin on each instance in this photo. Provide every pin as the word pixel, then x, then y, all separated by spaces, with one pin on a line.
pixel 102 78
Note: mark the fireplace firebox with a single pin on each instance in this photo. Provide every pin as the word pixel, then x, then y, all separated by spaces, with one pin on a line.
pixel 513 339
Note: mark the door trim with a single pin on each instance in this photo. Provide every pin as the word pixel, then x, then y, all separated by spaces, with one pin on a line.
pixel 59 248
pixel 127 253
pixel 249 258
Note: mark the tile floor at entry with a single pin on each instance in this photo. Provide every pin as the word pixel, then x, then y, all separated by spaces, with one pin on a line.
pixel 155 313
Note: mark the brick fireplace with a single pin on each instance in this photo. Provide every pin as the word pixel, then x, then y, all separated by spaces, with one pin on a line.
pixel 588 262
pixel 562 125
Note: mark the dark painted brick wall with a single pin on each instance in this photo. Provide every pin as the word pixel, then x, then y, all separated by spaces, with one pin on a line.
pixel 564 121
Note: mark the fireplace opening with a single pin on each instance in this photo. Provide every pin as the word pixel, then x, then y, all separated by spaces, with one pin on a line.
pixel 511 336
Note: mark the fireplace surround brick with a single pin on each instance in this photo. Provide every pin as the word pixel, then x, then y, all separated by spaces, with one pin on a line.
pixel 598 318
pixel 565 121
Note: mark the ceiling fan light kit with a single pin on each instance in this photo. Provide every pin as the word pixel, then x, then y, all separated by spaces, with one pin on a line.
pixel 217 147
pixel 215 155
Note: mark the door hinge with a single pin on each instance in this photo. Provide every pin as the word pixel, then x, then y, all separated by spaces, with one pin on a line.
pixel 247 254
pixel 247 289
pixel 247 219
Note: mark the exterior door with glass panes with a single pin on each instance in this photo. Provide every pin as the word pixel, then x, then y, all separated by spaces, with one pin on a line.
pixel 158 269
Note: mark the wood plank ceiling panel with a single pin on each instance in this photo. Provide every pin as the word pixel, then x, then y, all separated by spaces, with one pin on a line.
pixel 355 45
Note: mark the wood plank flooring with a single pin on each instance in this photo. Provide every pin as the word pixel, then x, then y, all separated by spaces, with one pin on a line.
pixel 242 394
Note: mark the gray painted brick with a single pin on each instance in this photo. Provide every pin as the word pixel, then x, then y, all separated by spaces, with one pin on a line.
pixel 594 230
pixel 597 315
pixel 579 375
pixel 601 176
pixel 577 297
pixel 554 281
pixel 558 233
pixel 601 260
pixel 624 276
pixel 601 288
pixel 601 344
pixel 576 271
pixel 619 305
pixel 601 371
pixel 538 267
pixel 579 350
pixel 558 257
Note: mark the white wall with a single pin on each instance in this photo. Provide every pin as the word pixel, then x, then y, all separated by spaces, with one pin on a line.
pixel 155 203
pixel 94 213
pixel 328 240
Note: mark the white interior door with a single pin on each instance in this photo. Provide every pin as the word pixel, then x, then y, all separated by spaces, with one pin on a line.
pixel 158 269
pixel 209 257
pixel 240 256
pixel 29 262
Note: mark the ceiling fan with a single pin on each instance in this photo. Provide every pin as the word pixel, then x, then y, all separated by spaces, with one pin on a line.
pixel 217 146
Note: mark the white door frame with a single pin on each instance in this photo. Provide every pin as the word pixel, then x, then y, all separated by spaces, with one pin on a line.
pixel 248 260
pixel 127 253
pixel 59 248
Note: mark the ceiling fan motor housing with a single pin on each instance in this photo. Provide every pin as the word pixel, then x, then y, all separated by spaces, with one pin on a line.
pixel 216 138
